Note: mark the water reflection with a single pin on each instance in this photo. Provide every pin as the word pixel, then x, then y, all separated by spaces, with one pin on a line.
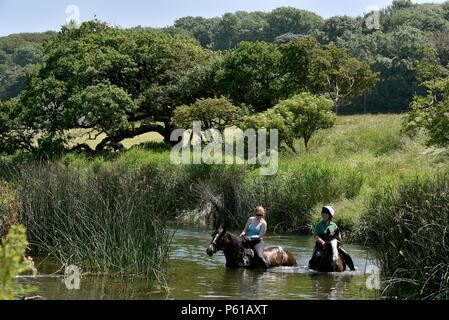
pixel 330 286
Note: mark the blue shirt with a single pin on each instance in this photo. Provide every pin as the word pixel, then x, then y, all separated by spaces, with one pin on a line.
pixel 253 230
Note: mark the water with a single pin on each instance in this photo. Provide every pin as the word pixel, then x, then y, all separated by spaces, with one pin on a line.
pixel 194 275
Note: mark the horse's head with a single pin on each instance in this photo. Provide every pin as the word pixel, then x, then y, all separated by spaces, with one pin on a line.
pixel 333 242
pixel 218 241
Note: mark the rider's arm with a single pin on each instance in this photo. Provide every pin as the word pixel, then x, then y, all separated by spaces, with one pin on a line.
pixel 245 230
pixel 318 239
pixel 316 233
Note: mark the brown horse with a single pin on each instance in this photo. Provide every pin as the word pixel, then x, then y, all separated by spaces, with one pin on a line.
pixel 331 257
pixel 238 255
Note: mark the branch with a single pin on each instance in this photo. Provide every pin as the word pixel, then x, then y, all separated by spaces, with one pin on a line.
pixel 144 128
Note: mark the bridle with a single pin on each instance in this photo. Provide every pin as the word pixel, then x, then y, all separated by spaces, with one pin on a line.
pixel 214 243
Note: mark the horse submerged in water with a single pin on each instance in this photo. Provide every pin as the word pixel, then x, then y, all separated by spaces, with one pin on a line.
pixel 238 254
pixel 331 257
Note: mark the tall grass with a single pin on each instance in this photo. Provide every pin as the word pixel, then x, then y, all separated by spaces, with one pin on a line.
pixel 103 218
pixel 408 226
pixel 232 192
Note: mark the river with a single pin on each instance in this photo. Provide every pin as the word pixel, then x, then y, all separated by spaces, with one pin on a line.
pixel 194 275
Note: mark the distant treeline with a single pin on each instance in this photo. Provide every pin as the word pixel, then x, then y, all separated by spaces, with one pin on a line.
pixel 389 43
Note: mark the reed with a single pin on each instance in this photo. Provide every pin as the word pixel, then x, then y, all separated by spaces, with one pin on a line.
pixel 408 227
pixel 104 218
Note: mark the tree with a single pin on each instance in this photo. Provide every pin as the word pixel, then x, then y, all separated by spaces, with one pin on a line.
pixel 291 20
pixel 216 113
pixel 330 70
pixel 347 78
pixel 298 117
pixel 13 135
pixel 120 83
pixel 271 119
pixel 250 74
pixel 309 114
pixel 431 111
pixel 199 28
pixel 240 26
pixel 425 17
pixel 301 64
pixel 336 27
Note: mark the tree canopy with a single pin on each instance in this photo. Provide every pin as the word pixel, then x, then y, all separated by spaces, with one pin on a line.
pixel 110 81
pixel 430 111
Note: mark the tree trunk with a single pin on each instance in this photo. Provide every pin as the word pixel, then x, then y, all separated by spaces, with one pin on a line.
pixel 364 100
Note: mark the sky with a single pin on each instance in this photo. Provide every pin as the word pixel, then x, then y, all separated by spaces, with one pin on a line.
pixel 18 16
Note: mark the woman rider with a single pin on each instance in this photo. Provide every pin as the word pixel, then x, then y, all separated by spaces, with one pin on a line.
pixel 255 229
pixel 327 213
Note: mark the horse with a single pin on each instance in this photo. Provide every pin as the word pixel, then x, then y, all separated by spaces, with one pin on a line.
pixel 238 254
pixel 331 257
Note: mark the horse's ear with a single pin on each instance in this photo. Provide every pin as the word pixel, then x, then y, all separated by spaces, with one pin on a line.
pixel 337 232
pixel 224 231
pixel 328 232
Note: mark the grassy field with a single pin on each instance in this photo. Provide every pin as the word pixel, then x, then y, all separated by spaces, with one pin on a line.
pixel 374 146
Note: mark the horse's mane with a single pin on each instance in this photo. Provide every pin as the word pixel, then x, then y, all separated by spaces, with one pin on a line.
pixel 237 242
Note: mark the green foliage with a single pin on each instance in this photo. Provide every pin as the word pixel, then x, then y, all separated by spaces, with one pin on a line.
pixel 13 262
pixel 404 28
pixel 330 70
pixel 217 113
pixel 270 119
pixel 298 117
pixel 241 26
pixel 306 114
pixel 250 74
pixel 103 216
pixel 336 27
pixel 425 17
pixel 301 66
pixel 431 112
pixel 13 246
pixel 199 28
pixel 17 53
pixel 13 135
pixel 291 20
pixel 105 79
pixel 346 76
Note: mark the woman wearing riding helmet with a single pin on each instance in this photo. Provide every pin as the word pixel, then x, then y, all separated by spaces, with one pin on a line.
pixel 255 229
pixel 321 228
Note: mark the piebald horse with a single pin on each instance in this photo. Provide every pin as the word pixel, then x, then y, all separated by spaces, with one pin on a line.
pixel 237 253
pixel 331 257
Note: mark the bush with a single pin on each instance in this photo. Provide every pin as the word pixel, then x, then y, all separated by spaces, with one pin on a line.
pixel 13 245
pixel 14 262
